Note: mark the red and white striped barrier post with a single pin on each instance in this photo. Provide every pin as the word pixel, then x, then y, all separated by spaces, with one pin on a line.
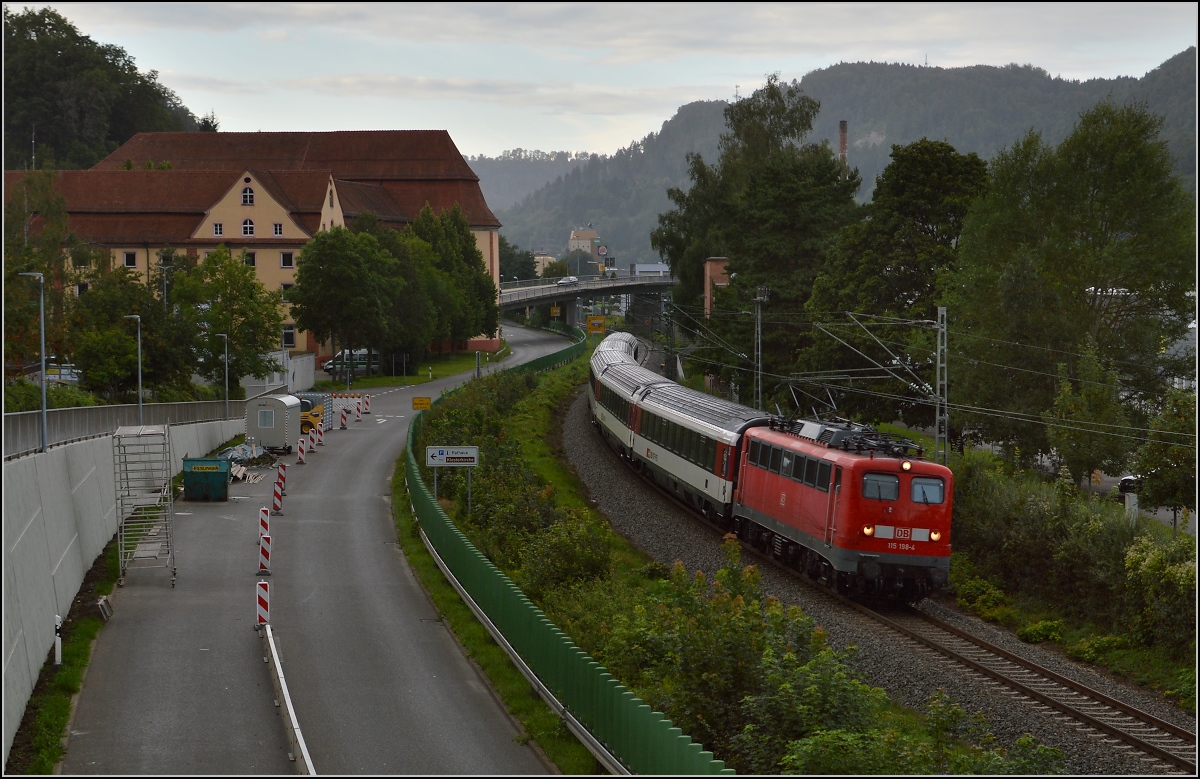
pixel 264 555
pixel 300 451
pixel 262 591
pixel 321 434
pixel 264 521
pixel 358 409
pixel 366 404
pixel 277 503
pixel 281 477
pixel 312 439
pixel 344 417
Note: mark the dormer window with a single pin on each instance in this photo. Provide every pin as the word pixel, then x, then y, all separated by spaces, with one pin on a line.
pixel 248 227
pixel 247 196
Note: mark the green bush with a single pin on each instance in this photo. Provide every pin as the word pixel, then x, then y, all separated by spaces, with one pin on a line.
pixel 1162 578
pixel 25 395
pixel 572 550
pixel 1092 648
pixel 1046 630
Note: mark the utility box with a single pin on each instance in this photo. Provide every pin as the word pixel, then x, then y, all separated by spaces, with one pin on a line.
pixel 273 422
pixel 205 478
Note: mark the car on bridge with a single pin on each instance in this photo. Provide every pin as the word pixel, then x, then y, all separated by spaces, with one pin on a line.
pixel 566 281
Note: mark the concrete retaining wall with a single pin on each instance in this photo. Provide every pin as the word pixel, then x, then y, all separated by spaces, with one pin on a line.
pixel 59 512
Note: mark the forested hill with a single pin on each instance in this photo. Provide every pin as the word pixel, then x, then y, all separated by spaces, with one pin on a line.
pixel 622 194
pixel 509 178
pixel 980 109
pixel 74 98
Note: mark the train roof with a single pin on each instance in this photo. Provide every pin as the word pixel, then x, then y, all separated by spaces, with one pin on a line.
pixel 629 377
pixel 711 410
pixel 848 436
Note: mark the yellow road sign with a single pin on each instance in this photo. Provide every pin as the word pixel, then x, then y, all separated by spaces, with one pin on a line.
pixel 595 324
pixel 420 404
pixel 555 311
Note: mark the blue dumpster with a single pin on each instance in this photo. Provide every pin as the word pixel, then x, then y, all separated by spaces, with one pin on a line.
pixel 205 478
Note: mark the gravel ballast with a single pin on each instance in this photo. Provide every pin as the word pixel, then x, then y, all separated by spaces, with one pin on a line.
pixel 910 673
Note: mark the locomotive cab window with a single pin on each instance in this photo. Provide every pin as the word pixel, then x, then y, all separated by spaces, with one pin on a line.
pixel 785 465
pixel 776 455
pixel 881 486
pixel 810 473
pixel 754 447
pixel 927 490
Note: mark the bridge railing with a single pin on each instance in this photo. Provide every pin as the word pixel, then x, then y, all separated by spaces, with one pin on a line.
pixel 548 289
pixel 579 688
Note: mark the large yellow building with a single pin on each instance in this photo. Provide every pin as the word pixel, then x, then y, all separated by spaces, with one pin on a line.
pixel 267 195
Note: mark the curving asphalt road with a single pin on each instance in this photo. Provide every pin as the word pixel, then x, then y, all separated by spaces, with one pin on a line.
pixel 177 684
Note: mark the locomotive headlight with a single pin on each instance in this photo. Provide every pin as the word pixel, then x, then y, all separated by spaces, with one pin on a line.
pixel 868 530
pixel 935 535
pixel 906 466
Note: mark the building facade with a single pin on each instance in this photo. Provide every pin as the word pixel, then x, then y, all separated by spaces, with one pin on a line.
pixel 265 195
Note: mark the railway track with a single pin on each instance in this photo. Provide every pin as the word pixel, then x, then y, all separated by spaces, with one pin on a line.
pixel 1120 725
pixel 1118 721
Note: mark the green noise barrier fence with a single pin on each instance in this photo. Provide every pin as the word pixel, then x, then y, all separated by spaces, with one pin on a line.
pixel 644 741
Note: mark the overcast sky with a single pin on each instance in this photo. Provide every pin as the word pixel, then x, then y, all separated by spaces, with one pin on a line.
pixel 581 77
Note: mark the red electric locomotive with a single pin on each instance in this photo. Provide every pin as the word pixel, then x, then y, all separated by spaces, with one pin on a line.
pixel 852 507
pixel 846 504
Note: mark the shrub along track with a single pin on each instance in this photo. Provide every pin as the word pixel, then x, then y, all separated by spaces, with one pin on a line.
pixel 910 674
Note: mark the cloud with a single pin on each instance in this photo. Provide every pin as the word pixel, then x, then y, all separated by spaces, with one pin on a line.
pixel 198 82
pixel 1060 37
pixel 550 97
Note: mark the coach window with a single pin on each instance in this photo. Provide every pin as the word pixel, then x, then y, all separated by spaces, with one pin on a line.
pixel 926 490
pixel 881 486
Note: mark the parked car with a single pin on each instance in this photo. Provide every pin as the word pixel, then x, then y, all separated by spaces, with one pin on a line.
pixel 567 280
pixel 1129 484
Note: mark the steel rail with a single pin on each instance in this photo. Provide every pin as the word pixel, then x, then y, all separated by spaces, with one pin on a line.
pixel 1165 755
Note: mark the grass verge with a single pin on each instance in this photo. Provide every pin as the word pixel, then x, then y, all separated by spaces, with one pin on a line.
pixel 539 721
pixel 446 365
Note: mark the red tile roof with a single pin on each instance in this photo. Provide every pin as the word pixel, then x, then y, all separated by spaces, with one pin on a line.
pixel 407 162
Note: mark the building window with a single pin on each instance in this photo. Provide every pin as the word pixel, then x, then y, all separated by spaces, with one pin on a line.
pixel 247 197
pixel 248 227
pixel 286 288
pixel 285 260
pixel 81 288
pixel 331 198
pixel 322 226
pixel 130 259
pixel 248 258
pixel 218 228
pixel 289 335
pixel 279 228
pixel 207 255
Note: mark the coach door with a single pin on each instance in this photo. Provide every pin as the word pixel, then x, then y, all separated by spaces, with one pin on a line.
pixel 831 505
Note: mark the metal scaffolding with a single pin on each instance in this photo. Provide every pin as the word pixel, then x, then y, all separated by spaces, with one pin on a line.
pixel 142 469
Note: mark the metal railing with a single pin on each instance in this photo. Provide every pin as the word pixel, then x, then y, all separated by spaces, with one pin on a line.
pixel 23 429
pixel 548 289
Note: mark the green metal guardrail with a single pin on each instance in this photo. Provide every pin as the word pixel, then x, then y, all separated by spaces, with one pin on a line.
pixel 643 740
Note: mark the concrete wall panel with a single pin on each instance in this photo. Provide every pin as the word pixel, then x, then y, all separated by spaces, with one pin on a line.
pixel 18 682
pixel 86 474
pixel 61 528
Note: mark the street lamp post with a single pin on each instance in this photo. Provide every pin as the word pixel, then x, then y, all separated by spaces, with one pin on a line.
pixel 139 326
pixel 42 319
pixel 226 337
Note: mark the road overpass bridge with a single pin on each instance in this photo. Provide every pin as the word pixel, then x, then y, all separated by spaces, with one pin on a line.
pixel 516 295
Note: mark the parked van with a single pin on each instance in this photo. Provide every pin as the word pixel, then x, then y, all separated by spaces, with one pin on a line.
pixel 359 358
